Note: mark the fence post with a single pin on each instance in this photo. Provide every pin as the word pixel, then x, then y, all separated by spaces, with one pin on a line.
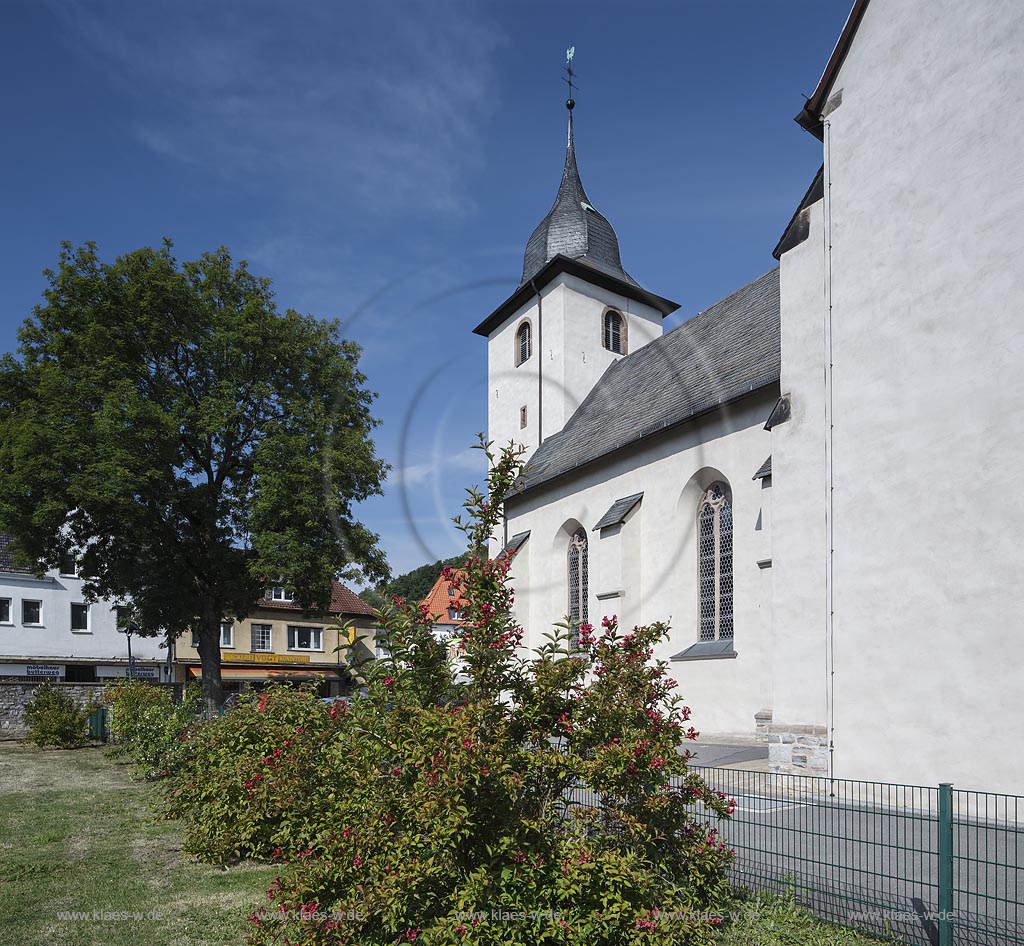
pixel 945 864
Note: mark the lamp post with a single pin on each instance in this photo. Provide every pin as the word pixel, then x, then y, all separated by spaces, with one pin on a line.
pixel 130 628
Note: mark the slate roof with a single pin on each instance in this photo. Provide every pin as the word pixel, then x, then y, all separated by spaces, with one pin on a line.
pixel 764 470
pixel 574 228
pixel 618 511
pixel 516 542
pixel 7 558
pixel 718 356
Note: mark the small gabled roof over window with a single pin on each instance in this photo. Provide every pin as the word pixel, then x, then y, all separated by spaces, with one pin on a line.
pixel 707 650
pixel 765 470
pixel 617 512
pixel 7 556
pixel 516 543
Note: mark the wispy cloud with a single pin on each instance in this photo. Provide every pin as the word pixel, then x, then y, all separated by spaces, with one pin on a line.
pixel 342 105
pixel 419 474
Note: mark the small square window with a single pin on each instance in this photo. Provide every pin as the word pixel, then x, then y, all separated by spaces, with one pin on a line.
pixel 68 565
pixel 5 611
pixel 80 618
pixel 451 592
pixel 32 612
pixel 261 638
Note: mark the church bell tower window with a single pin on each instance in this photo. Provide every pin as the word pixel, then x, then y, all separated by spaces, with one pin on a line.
pixel 524 343
pixel 614 332
pixel 714 530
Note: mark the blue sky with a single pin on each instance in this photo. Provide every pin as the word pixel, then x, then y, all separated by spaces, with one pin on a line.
pixel 385 164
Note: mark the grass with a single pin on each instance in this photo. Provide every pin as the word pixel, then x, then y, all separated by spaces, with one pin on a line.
pixel 78 835
pixel 766 920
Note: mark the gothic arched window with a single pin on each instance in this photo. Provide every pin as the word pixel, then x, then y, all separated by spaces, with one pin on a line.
pixel 577 572
pixel 524 343
pixel 614 334
pixel 714 562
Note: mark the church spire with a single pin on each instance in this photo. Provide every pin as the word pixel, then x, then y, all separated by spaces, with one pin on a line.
pixel 573 227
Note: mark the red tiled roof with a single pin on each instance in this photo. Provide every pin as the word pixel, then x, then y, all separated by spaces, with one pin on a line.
pixel 439 601
pixel 343 601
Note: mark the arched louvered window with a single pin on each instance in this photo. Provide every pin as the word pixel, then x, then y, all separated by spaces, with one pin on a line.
pixel 614 333
pixel 524 343
pixel 577 571
pixel 714 531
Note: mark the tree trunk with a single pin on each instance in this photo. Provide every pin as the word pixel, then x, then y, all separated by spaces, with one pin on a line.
pixel 209 656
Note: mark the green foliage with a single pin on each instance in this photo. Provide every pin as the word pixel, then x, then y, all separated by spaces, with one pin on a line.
pixel 416 812
pixel 190 440
pixel 149 727
pixel 768 920
pixel 412 586
pixel 259 778
pixel 55 719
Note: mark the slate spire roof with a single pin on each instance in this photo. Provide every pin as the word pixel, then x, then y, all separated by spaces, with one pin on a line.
pixel 574 228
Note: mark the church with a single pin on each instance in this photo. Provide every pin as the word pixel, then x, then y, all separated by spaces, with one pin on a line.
pixel 813 481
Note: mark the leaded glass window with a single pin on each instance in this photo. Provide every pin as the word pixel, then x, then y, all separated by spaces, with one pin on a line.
pixel 577 568
pixel 714 532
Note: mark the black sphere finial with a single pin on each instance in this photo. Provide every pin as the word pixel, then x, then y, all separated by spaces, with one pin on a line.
pixel 570 104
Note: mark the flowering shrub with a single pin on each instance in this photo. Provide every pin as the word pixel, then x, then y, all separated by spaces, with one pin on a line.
pixel 55 719
pixel 149 727
pixel 257 782
pixel 440 812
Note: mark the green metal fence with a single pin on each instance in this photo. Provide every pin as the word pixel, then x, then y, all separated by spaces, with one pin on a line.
pixel 927 866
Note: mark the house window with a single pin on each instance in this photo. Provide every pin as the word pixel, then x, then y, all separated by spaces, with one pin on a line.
pixel 32 612
pixel 577 570
pixel 524 343
pixel 280 593
pixel 454 614
pixel 227 635
pixel 451 591
pixel 714 530
pixel 614 334
pixel 80 618
pixel 522 417
pixel 261 638
pixel 5 611
pixel 68 567
pixel 305 638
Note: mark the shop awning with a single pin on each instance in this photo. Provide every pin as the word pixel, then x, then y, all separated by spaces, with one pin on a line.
pixel 261 673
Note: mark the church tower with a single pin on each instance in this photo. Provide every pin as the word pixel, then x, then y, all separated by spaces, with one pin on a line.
pixel 575 312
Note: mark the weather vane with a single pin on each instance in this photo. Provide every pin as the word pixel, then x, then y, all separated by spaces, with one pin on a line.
pixel 570 76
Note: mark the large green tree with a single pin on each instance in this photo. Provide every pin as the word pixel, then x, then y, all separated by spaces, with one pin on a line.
pixel 187 439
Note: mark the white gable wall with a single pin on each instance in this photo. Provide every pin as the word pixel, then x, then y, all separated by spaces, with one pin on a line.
pixel 927 196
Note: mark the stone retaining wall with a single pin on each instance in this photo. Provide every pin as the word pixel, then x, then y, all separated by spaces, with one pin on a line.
pixel 15 696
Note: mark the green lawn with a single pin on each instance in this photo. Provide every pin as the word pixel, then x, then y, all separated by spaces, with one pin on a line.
pixel 78 835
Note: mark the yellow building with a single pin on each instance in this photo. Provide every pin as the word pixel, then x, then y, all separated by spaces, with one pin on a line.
pixel 278 642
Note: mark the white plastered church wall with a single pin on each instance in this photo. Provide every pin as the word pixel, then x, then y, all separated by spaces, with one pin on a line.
pixel 927 195
pixel 656 549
